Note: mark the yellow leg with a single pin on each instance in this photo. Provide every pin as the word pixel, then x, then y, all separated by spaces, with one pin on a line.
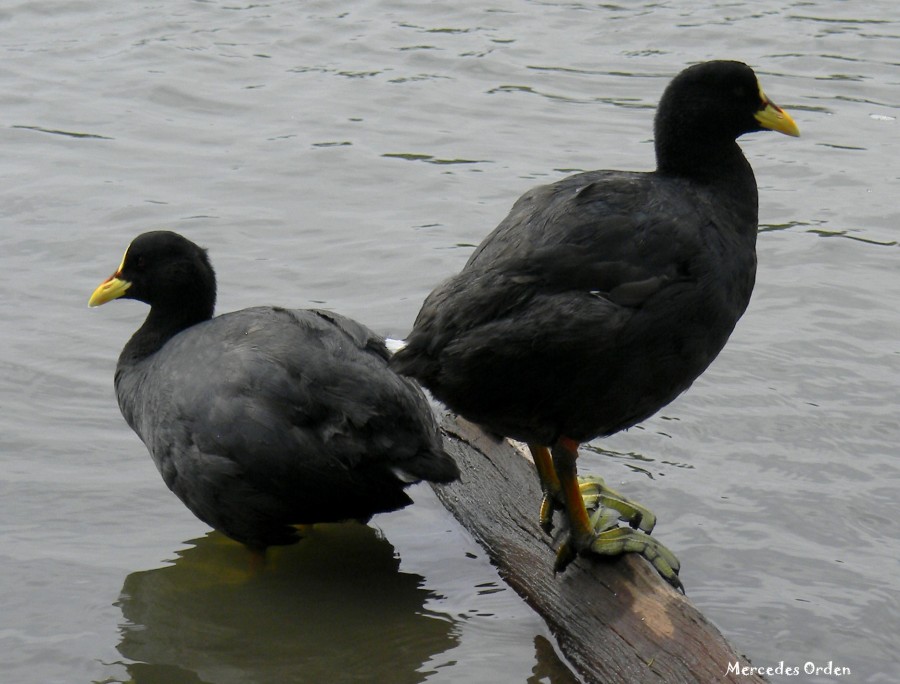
pixel 550 486
pixel 599 532
pixel 565 453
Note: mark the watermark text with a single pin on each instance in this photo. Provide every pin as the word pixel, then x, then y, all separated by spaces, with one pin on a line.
pixel 808 668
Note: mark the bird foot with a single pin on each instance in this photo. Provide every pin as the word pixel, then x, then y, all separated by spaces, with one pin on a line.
pixel 596 494
pixel 606 508
pixel 617 541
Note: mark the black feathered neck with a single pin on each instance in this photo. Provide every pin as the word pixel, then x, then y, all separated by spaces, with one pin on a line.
pixel 174 276
pixel 701 114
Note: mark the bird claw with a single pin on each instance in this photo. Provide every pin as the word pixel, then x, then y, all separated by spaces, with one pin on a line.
pixel 606 508
pixel 616 541
pixel 597 494
pixel 620 540
pixel 549 504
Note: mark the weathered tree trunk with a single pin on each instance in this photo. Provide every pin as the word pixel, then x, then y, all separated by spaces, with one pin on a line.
pixel 616 621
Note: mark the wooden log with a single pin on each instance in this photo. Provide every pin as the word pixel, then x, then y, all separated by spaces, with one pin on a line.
pixel 617 621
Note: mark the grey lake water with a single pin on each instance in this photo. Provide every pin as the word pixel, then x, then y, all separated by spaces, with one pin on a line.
pixel 349 156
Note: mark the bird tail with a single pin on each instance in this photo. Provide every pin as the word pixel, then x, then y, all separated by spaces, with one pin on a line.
pixel 393 345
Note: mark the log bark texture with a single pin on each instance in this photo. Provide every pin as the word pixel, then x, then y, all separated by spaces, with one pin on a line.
pixel 617 621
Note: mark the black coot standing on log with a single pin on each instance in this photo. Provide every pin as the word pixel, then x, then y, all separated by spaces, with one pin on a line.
pixel 602 297
pixel 264 419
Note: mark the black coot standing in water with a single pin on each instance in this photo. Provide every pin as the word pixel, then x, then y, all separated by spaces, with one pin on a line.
pixel 602 297
pixel 266 418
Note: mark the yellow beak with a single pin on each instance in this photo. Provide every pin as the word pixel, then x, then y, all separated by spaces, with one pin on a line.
pixel 775 118
pixel 110 289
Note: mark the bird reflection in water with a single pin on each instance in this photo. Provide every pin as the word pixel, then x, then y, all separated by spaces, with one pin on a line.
pixel 333 608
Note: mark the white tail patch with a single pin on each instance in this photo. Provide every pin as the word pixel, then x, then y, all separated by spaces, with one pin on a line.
pixel 404 476
pixel 393 346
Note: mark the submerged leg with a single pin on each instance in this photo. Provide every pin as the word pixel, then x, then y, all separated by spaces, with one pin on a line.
pixel 598 531
pixel 257 561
